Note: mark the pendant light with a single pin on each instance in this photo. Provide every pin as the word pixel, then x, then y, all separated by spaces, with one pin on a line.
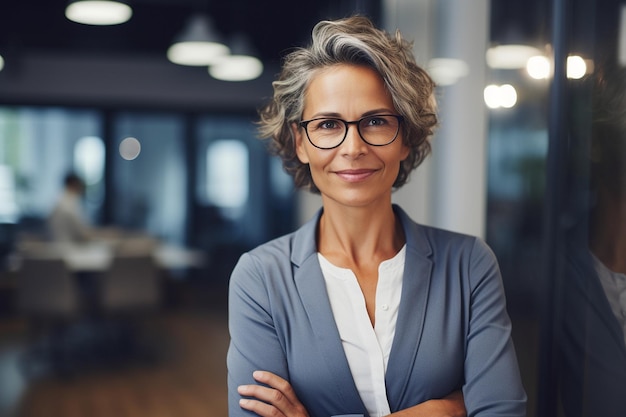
pixel 198 44
pixel 242 65
pixel 98 12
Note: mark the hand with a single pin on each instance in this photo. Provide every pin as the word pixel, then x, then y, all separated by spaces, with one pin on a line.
pixel 277 400
pixel 451 405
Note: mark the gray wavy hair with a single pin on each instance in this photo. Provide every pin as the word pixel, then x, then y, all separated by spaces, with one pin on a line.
pixel 354 41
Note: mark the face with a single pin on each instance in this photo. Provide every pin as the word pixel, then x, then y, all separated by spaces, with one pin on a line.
pixel 354 173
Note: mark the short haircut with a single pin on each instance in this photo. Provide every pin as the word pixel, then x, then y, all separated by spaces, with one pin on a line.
pixel 352 41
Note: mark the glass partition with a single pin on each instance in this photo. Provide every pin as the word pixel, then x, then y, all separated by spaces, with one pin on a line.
pixel 556 201
pixel 38 147
pixel 148 170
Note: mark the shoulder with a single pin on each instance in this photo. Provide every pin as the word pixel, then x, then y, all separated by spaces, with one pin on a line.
pixel 431 240
pixel 268 254
pixel 449 249
pixel 293 248
pixel 445 237
pixel 273 251
pixel 261 273
pixel 447 240
pixel 277 257
pixel 470 253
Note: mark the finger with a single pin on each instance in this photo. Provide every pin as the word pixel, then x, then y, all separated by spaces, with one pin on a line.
pixel 276 382
pixel 260 408
pixel 268 395
pixel 284 397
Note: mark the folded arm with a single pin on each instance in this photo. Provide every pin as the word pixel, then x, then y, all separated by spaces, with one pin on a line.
pixel 274 397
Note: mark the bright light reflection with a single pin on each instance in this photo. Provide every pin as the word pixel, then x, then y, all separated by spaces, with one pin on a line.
pixel 227 173
pixel 447 71
pixel 508 96
pixel 130 148
pixel 503 96
pixel 9 209
pixel 491 95
pixel 89 159
pixel 576 67
pixel 538 67
pixel 510 56
pixel 1 62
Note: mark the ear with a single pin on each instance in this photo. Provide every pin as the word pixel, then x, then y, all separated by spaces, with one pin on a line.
pixel 299 139
pixel 404 152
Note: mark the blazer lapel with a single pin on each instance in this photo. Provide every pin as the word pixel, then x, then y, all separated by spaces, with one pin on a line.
pixel 312 290
pixel 413 304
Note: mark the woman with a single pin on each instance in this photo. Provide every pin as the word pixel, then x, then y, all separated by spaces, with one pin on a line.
pixel 362 311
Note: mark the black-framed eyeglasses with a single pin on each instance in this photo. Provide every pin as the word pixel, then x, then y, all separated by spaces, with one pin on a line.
pixel 330 132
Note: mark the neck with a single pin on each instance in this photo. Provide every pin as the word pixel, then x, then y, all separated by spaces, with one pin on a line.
pixel 350 236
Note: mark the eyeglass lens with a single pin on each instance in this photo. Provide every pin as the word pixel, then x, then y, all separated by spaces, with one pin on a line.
pixel 376 130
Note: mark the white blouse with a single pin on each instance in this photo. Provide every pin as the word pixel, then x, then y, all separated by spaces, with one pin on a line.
pixel 367 349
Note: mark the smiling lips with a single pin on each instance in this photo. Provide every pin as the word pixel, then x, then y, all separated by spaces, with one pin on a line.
pixel 355 175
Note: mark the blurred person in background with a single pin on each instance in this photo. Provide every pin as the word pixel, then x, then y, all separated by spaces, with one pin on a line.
pixel 362 311
pixel 66 223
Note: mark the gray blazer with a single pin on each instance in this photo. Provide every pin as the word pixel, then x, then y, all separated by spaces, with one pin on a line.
pixel 452 332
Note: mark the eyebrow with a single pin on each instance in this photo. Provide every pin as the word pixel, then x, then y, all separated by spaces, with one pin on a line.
pixel 335 115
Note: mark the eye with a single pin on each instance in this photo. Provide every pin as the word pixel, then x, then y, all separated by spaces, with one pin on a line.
pixel 326 124
pixel 375 121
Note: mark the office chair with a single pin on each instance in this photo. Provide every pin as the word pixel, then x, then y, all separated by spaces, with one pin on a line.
pixel 129 294
pixel 48 297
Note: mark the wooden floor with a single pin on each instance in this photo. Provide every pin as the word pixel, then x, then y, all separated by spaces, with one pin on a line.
pixel 189 381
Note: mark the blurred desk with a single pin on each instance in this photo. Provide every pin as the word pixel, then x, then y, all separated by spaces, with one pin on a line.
pixel 101 292
pixel 177 257
pixel 97 256
pixel 91 257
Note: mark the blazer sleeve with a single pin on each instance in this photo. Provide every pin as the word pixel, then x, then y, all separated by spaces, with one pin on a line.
pixel 254 343
pixel 492 381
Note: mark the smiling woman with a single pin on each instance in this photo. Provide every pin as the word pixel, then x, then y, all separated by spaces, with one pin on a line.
pixel 362 311
pixel 350 169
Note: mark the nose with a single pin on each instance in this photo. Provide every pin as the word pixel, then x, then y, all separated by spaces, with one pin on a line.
pixel 353 145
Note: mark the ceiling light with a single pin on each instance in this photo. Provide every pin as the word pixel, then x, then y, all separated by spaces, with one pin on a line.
pixel 510 56
pixel 98 12
pixel 197 45
pixel 242 65
pixel 1 63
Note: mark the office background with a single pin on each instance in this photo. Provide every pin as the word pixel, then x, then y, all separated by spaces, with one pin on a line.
pixel 171 152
